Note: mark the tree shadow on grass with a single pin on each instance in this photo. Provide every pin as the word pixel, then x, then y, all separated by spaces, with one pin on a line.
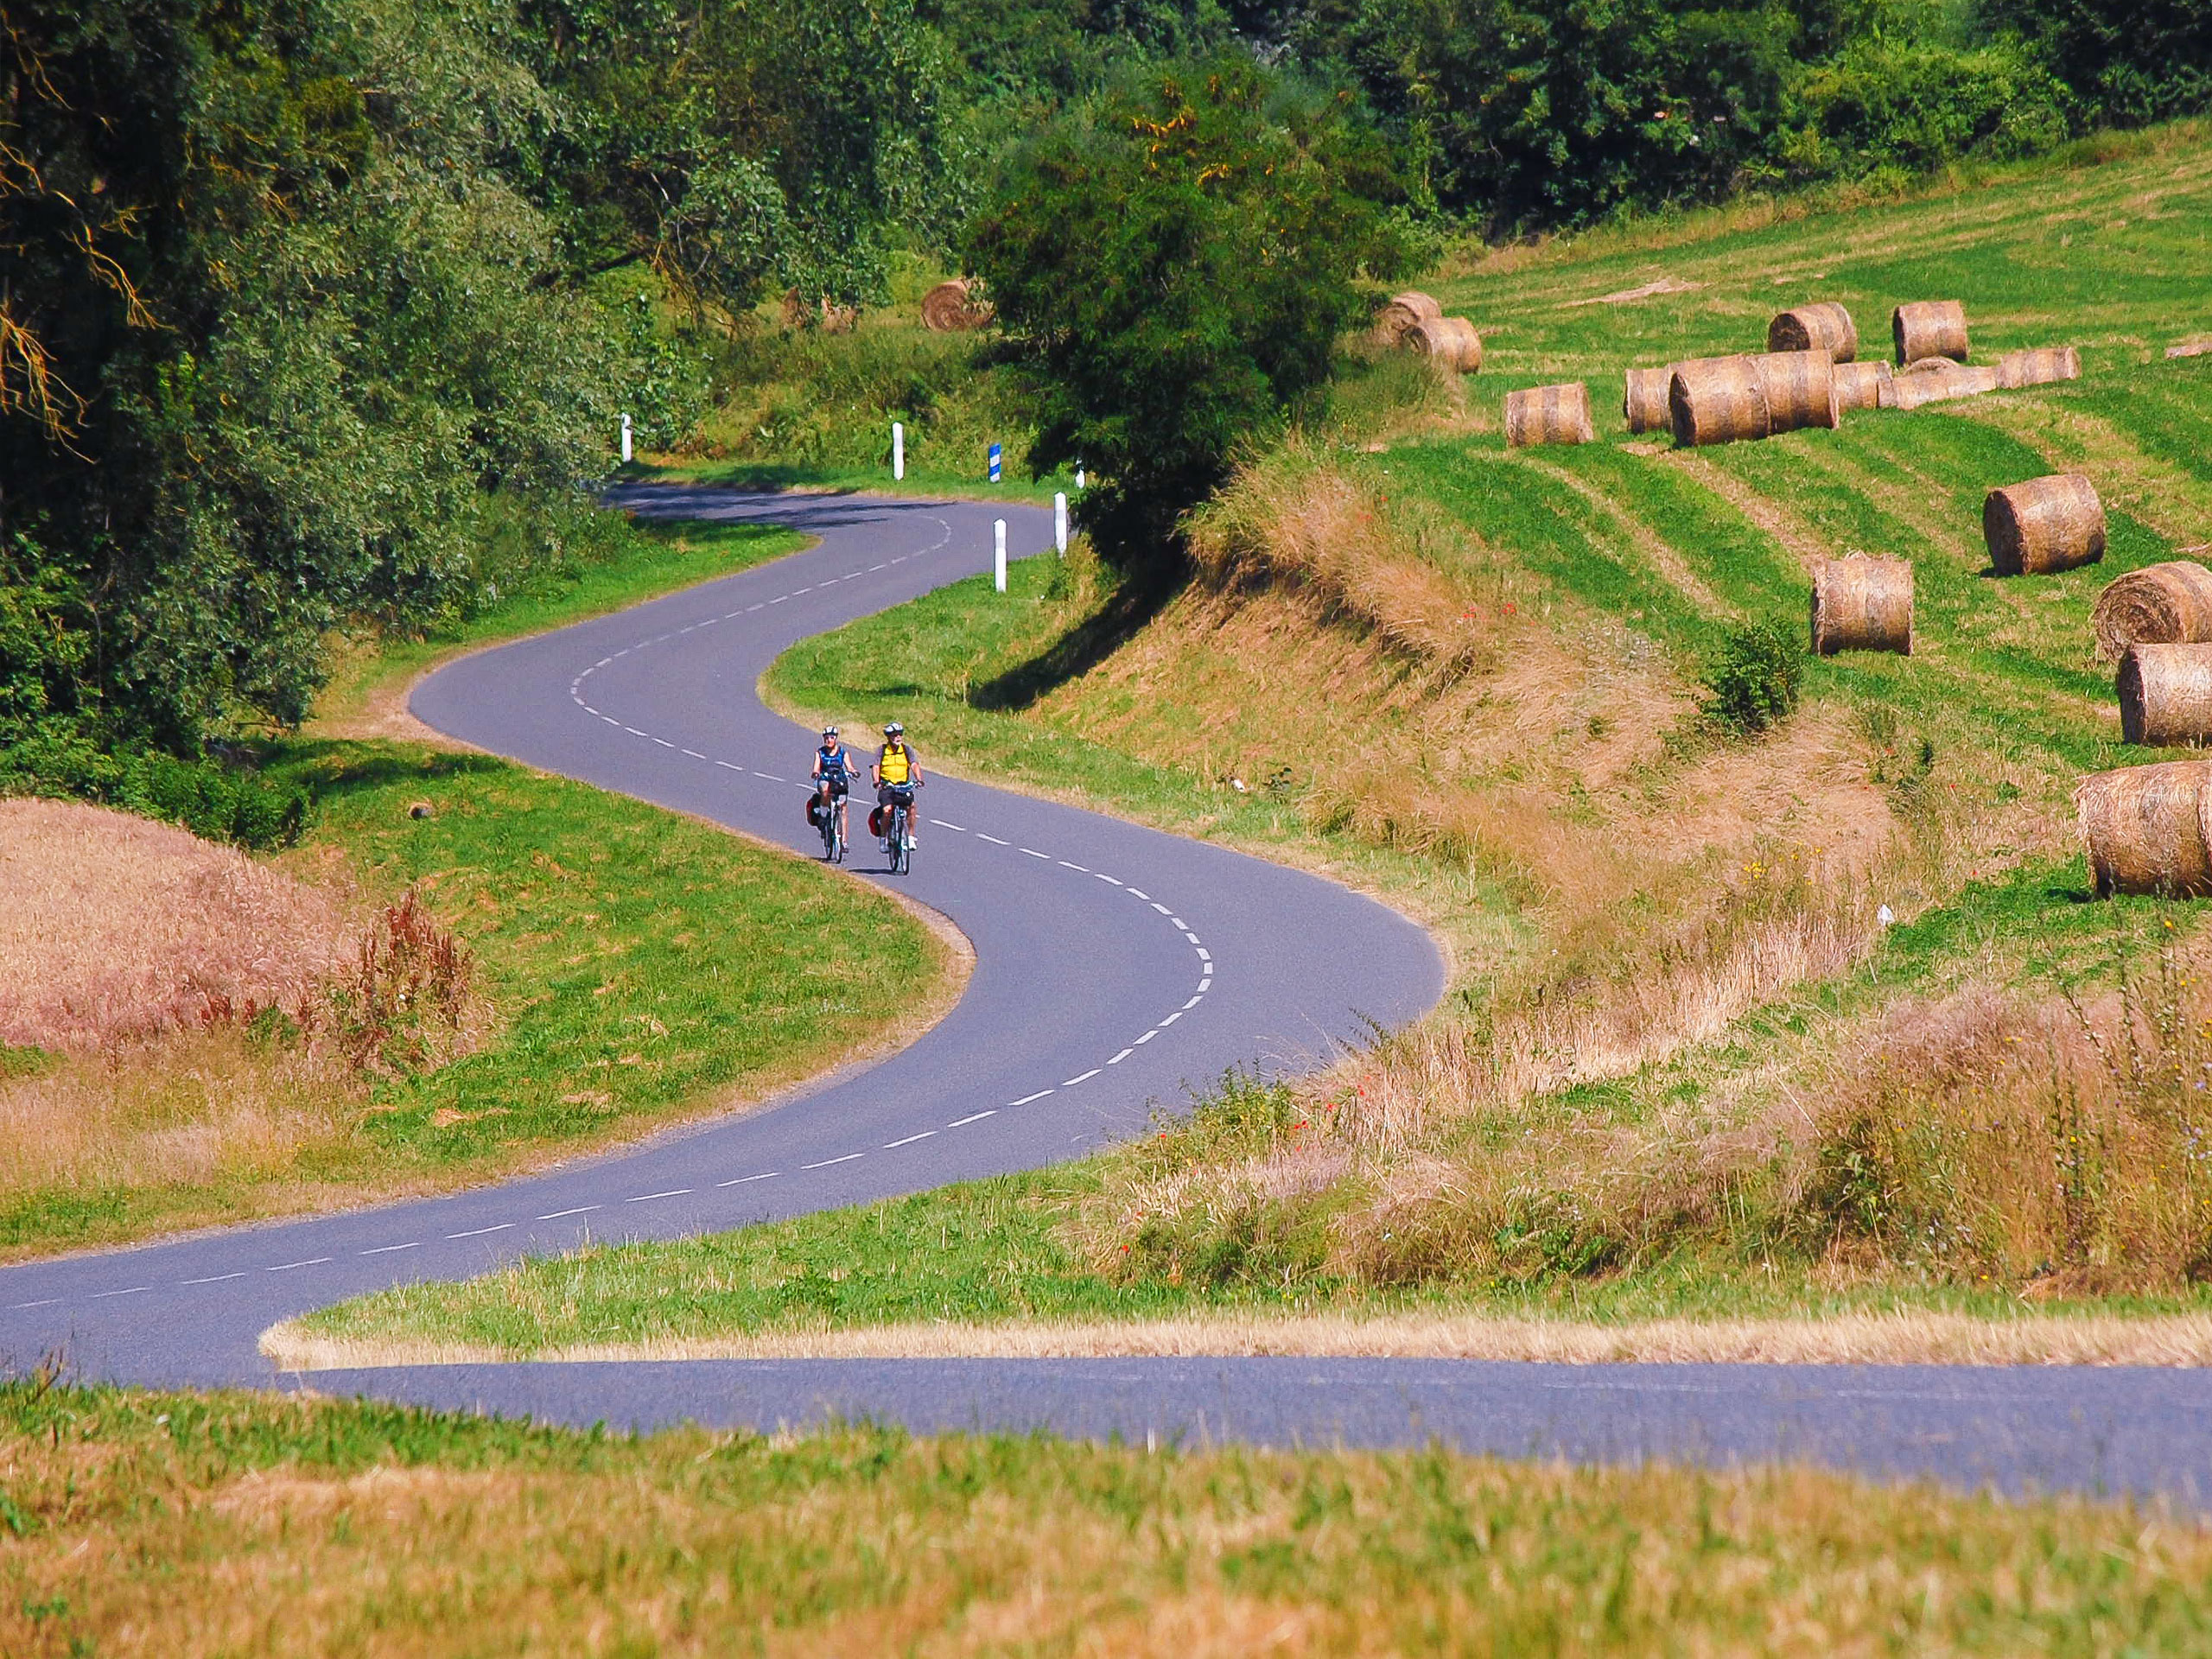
pixel 1139 598
pixel 336 768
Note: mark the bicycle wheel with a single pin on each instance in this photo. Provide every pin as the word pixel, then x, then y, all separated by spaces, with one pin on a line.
pixel 829 835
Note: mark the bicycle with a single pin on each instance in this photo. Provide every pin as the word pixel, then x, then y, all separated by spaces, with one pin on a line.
pixel 830 822
pixel 897 824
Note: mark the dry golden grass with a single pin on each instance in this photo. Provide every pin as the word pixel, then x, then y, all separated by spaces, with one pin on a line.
pixel 1903 1338
pixel 189 1528
pixel 201 1108
pixel 1451 711
pixel 115 928
pixel 209 1022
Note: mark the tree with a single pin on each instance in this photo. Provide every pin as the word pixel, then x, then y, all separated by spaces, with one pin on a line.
pixel 2128 61
pixel 1174 261
pixel 279 336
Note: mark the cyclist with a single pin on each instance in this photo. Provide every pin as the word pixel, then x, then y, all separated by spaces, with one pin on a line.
pixel 895 769
pixel 833 764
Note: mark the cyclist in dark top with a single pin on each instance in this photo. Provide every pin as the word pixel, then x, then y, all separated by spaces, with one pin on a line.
pixel 833 761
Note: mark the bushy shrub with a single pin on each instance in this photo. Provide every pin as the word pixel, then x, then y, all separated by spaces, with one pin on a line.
pixel 1752 682
pixel 1914 106
pixel 212 799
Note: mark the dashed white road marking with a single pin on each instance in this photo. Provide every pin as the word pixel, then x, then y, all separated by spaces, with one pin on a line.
pixel 51 1301
pixel 386 1249
pixel 647 1197
pixel 558 1214
pixel 1205 959
pixel 134 1290
pixel 286 1266
pixel 214 1278
pixel 972 1118
pixel 479 1232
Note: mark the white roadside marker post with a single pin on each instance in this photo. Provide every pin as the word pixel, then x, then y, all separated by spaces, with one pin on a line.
pixel 625 441
pixel 1079 475
pixel 1060 521
pixel 898 449
pixel 998 558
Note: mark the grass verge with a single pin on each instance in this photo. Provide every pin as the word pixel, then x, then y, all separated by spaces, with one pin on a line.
pixel 362 1527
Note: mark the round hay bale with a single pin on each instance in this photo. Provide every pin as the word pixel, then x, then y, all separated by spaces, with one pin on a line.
pixel 1930 328
pixel 1717 400
pixel 1557 414
pixel 2038 366
pixel 1862 604
pixel 1825 327
pixel 2168 604
pixel 2165 695
pixel 951 308
pixel 2043 525
pixel 1799 388
pixel 1448 342
pixel 1862 385
pixel 1934 379
pixel 1401 312
pixel 1644 404
pixel 2144 828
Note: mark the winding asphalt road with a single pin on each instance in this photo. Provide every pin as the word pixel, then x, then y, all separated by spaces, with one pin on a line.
pixel 1116 967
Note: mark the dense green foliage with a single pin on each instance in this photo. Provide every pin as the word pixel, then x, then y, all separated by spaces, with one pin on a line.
pixel 1533 113
pixel 2127 61
pixel 1176 260
pixel 279 330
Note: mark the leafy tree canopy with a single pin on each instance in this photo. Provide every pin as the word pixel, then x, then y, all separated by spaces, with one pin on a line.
pixel 1174 260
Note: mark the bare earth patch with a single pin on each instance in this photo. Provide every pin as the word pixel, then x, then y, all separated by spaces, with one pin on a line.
pixel 114 928
pixel 1898 1338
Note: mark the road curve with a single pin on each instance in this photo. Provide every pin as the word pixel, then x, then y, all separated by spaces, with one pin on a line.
pixel 1114 966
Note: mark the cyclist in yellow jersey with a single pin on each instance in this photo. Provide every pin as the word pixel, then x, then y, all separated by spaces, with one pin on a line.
pixel 896 769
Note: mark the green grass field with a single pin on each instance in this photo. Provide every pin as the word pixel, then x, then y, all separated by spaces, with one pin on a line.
pixel 237 1524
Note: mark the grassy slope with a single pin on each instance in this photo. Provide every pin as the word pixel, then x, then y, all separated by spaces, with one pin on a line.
pixel 1646 545
pixel 702 976
pixel 364 1527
